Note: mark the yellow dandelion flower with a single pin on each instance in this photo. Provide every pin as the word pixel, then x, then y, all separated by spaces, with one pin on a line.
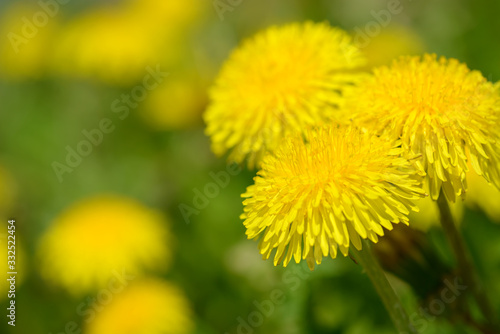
pixel 177 104
pixel 177 14
pixel 276 83
pixel 95 238
pixel 392 42
pixel 109 44
pixel 312 198
pixel 150 306
pixel 483 195
pixel 439 109
pixel 27 38
pixel 115 44
pixel 428 214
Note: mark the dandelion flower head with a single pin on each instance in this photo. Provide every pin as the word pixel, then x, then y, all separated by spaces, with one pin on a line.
pixel 99 236
pixel 109 44
pixel 311 199
pixel 116 43
pixel 149 306
pixel 392 42
pixel 24 49
pixel 176 104
pixel 439 109
pixel 277 82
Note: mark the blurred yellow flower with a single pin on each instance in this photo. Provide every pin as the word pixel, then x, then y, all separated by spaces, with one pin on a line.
pixel 99 236
pixel 116 43
pixel 109 44
pixel 440 110
pixel 28 35
pixel 177 104
pixel 311 198
pixel 483 195
pixel 428 214
pixel 150 306
pixel 169 14
pixel 392 42
pixel 277 82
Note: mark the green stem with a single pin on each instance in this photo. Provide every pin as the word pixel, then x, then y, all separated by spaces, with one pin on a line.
pixel 466 267
pixel 384 289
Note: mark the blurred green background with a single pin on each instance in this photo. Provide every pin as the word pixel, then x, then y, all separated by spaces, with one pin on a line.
pixel 65 78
